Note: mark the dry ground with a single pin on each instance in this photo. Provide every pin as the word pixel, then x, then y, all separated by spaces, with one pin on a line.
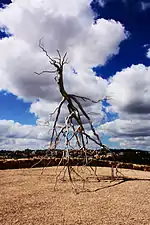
pixel 26 197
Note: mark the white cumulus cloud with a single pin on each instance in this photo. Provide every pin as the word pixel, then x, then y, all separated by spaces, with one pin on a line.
pixel 64 25
pixel 14 135
pixel 145 5
pixel 69 29
pixel 130 91
pixel 148 53
pixel 130 94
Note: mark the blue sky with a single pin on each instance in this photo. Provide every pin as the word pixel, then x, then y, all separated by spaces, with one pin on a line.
pixel 121 63
pixel 4 2
pixel 16 109
pixel 136 22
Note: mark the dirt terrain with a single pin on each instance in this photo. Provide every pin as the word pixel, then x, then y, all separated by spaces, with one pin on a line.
pixel 27 197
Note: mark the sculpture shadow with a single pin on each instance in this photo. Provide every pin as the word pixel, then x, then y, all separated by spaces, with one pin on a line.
pixel 120 180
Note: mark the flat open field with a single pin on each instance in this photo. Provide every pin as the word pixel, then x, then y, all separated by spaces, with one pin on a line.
pixel 27 197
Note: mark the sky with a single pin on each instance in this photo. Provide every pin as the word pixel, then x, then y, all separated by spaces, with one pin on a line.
pixel 108 45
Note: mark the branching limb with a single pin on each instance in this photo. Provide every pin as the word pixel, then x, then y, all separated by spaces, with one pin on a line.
pixel 85 98
pixel 75 114
pixel 92 139
pixel 88 99
pixel 55 122
pixel 88 118
pixel 46 71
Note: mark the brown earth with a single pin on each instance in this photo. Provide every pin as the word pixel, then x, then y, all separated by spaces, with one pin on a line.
pixel 27 197
pixel 44 162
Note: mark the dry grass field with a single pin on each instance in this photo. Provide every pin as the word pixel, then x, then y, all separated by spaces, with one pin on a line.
pixel 28 198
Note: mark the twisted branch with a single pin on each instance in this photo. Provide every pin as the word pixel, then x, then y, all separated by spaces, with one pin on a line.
pixel 75 111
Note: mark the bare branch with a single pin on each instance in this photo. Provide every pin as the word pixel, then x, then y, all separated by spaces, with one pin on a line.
pixel 64 58
pixel 88 99
pixel 85 114
pixel 85 98
pixel 69 130
pixel 88 136
pixel 45 71
pixel 54 111
pixel 59 55
pixel 46 53
pixel 56 119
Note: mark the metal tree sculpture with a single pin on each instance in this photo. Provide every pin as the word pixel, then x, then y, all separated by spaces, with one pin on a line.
pixel 73 127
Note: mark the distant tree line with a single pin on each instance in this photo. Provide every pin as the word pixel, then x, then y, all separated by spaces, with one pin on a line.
pixel 121 155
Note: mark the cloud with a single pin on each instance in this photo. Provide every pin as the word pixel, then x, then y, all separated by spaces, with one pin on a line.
pixel 14 135
pixel 102 3
pixel 67 26
pixel 128 128
pixel 130 91
pixel 130 94
pixel 145 5
pixel 128 133
pixel 17 136
pixel 130 142
pixel 148 53
pixel 69 29
pixel 43 111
